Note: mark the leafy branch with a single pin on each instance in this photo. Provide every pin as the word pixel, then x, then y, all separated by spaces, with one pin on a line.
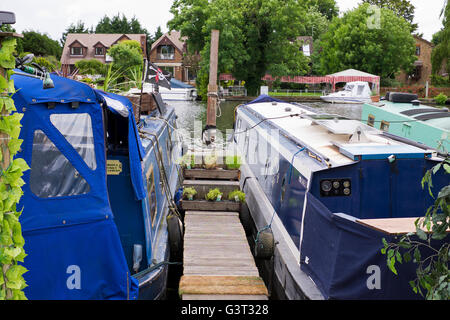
pixel 11 240
pixel 433 276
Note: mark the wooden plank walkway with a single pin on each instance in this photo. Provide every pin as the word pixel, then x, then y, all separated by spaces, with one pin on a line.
pixel 217 260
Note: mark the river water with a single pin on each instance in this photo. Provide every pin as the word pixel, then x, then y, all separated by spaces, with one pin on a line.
pixel 190 111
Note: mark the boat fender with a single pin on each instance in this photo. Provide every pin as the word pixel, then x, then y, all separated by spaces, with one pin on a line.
pixel 246 219
pixel 175 230
pixel 402 97
pixel 264 245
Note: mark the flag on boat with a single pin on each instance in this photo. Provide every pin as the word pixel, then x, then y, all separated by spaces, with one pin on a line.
pixel 156 76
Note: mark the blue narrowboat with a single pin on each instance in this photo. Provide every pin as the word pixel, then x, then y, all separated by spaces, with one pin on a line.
pixel 97 197
pixel 318 183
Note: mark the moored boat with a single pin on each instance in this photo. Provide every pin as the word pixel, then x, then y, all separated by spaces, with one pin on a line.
pixel 353 93
pixel 97 197
pixel 401 114
pixel 317 182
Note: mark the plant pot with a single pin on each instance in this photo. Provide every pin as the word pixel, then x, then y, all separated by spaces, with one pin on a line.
pixel 375 98
pixel 190 198
pixel 219 197
pixel 236 198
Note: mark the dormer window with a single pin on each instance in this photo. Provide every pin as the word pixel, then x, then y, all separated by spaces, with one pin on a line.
pixel 76 51
pixel 166 52
pixel 99 51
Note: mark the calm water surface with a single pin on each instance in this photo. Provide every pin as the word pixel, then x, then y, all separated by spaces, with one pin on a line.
pixel 190 111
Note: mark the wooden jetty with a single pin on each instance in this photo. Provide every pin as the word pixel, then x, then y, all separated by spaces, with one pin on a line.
pixel 217 260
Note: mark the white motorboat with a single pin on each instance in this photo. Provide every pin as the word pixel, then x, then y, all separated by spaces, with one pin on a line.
pixel 354 92
pixel 179 91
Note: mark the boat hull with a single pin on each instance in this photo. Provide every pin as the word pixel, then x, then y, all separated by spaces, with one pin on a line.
pixel 345 100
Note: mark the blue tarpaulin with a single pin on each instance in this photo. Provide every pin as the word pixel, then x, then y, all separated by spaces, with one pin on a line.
pixel 72 242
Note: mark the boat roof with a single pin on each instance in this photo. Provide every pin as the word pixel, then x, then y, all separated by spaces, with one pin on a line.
pixel 427 114
pixel 331 135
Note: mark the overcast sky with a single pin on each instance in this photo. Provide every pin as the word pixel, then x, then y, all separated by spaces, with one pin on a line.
pixel 54 16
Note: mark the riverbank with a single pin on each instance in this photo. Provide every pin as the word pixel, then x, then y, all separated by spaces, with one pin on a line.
pixel 284 98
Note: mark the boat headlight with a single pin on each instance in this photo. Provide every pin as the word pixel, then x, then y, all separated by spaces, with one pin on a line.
pixel 335 188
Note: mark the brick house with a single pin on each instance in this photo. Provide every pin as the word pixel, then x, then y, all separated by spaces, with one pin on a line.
pixel 80 46
pixel 422 67
pixel 169 53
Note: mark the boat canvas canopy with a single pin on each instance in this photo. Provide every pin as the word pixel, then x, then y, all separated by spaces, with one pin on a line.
pixel 73 246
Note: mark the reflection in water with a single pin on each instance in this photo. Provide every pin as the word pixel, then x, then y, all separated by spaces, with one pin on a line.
pixel 190 111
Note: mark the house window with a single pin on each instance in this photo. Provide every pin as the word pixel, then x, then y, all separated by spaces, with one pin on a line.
pixel 76 51
pixel 417 50
pixel 99 51
pixel 166 52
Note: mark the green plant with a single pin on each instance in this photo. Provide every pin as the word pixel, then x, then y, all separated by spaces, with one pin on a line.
pixel 441 99
pixel 233 162
pixel 237 196
pixel 189 193
pixel 187 161
pixel 433 274
pixel 214 195
pixel 210 161
pixel 11 240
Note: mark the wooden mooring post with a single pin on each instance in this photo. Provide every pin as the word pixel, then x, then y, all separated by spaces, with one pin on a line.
pixel 210 129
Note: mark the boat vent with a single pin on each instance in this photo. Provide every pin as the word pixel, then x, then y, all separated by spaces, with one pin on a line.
pixel 339 125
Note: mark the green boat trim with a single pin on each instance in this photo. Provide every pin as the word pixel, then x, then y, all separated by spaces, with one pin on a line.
pixel 424 124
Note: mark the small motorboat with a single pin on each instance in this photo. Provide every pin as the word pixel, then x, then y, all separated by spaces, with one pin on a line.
pixel 357 92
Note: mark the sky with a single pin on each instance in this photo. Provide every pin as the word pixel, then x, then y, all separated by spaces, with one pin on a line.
pixel 54 16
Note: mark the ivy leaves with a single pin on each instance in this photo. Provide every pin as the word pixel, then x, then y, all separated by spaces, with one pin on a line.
pixel 11 240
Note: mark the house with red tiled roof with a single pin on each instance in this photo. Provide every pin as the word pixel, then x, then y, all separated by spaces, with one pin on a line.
pixel 80 46
pixel 168 52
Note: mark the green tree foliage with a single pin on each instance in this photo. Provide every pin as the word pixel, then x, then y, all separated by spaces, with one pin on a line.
pixel 79 27
pixel 402 8
pixel 327 8
pixel 121 24
pixel 380 45
pixel 91 67
pixel 441 53
pixel 39 44
pixel 256 37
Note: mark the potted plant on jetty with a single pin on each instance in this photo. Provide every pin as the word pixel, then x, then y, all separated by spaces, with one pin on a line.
pixel 187 161
pixel 233 162
pixel 189 193
pixel 214 195
pixel 237 196
pixel 210 161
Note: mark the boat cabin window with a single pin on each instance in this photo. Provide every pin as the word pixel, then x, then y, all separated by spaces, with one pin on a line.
pixel 77 129
pixel 371 120
pixel 52 175
pixel 117 134
pixel 384 126
pixel 360 90
pixel 151 193
pixel 348 87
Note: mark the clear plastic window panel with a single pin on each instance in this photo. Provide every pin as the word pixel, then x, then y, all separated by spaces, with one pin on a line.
pixel 52 175
pixel 77 129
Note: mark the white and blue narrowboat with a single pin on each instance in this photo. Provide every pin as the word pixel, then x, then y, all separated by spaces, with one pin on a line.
pixel 317 181
pixel 97 197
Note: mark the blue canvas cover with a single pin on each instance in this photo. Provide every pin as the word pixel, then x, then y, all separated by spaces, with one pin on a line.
pixel 72 242
pixel 344 258
pixel 265 98
pixel 135 148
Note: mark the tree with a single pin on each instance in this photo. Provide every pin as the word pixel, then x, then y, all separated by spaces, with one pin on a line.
pixel 74 28
pixel 39 44
pixel 90 66
pixel 328 8
pixel 360 41
pixel 256 37
pixel 120 24
pixel 441 53
pixel 402 8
